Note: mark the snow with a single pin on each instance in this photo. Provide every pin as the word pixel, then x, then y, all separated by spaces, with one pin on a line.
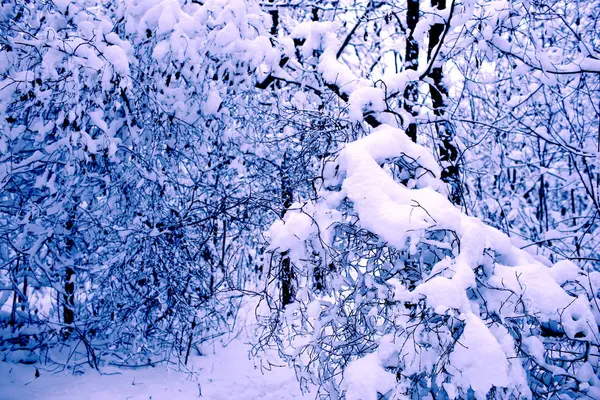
pixel 97 118
pixel 212 103
pixel 389 210
pixel 168 18
pixel 160 50
pixel 386 208
pixel 487 298
pixel 224 372
pixel 564 271
pixel 336 73
pixel 292 231
pixel 227 35
pixel 118 58
pixel 365 99
pixel 314 309
pixel 590 64
pixel 443 294
pixel 478 359
pixel 62 5
pixel 516 283
pixel 365 377
pixel 544 297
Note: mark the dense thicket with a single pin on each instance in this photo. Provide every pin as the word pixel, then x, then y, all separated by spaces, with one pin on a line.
pixel 408 188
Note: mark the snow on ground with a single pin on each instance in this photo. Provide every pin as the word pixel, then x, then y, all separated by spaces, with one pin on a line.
pixel 226 373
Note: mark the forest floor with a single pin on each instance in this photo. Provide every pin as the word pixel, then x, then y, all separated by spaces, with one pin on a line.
pixel 225 371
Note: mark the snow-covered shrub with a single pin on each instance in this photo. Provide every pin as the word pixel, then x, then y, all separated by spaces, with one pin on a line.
pixel 118 189
pixel 400 294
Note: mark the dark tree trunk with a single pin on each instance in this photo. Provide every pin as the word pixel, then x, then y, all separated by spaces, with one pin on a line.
pixel 274 18
pixel 69 295
pixel 287 271
pixel 68 314
pixel 446 146
pixel 16 299
pixel 411 61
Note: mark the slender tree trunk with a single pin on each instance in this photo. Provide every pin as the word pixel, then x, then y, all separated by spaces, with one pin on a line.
pixel 445 132
pixel 190 341
pixel 287 271
pixel 224 247
pixel 68 314
pixel 13 312
pixel 69 296
pixel 24 298
pixel 16 298
pixel 274 18
pixel 411 61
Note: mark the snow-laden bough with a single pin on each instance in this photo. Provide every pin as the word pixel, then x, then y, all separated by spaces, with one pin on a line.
pixel 406 295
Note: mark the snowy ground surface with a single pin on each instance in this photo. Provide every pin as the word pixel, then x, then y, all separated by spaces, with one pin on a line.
pixel 225 374
pixel 225 371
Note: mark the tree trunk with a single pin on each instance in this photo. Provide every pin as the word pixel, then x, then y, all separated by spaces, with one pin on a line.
pixel 69 296
pixel 16 299
pixel 445 132
pixel 274 12
pixel 411 61
pixel 287 271
pixel 68 314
